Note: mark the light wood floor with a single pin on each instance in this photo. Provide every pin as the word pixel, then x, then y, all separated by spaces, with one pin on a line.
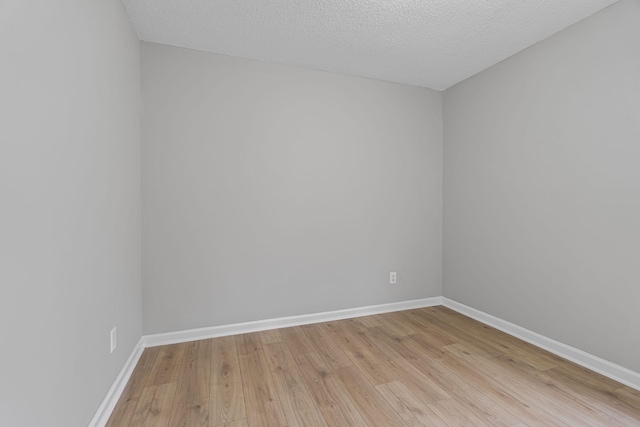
pixel 425 367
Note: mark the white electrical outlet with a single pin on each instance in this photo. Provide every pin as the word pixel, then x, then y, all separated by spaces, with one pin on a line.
pixel 393 278
pixel 114 339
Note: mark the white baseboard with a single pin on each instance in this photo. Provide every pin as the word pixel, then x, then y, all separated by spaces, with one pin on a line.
pixel 284 322
pixel 109 403
pixel 601 366
pixel 604 367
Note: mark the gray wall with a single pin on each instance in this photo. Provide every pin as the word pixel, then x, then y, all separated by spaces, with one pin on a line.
pixel 69 206
pixel 542 187
pixel 272 191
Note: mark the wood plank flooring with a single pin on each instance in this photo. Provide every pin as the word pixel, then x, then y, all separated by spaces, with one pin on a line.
pixel 424 367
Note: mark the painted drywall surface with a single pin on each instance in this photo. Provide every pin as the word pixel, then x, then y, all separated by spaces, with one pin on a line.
pixel 271 191
pixel 431 44
pixel 69 206
pixel 542 187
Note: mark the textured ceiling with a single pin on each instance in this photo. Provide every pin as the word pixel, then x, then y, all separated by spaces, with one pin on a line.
pixel 430 43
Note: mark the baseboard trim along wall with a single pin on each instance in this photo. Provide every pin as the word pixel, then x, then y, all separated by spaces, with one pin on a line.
pixel 109 403
pixel 604 367
pixel 284 322
pixel 589 361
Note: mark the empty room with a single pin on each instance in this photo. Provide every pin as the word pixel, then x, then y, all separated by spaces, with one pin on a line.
pixel 319 213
